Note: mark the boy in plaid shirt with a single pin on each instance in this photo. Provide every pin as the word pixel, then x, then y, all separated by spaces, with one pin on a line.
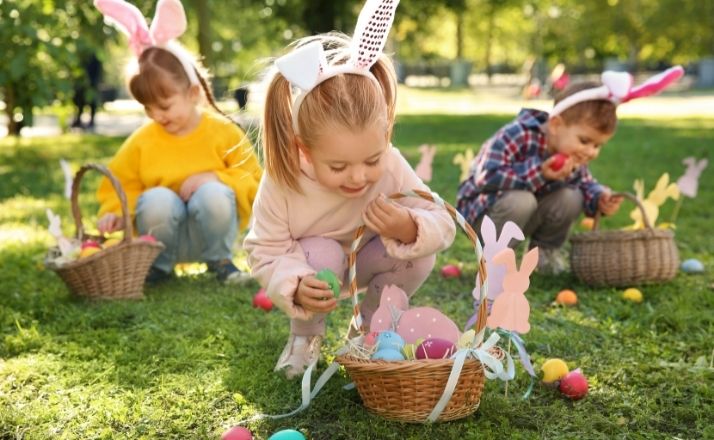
pixel 516 176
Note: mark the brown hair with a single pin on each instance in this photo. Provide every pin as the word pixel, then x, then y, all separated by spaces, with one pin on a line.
pixel 345 100
pixel 600 114
pixel 161 75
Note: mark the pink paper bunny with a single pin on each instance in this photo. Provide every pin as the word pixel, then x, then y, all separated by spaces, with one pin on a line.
pixel 411 324
pixel 492 245
pixel 689 182
pixel 423 168
pixel 511 309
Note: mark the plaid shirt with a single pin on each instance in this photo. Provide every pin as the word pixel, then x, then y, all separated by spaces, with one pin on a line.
pixel 512 159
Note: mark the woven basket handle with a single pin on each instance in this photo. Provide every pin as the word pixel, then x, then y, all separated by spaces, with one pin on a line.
pixel 117 187
pixel 633 199
pixel 459 220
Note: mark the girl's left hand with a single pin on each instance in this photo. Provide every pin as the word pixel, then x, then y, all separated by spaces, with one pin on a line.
pixel 390 220
pixel 609 204
pixel 192 183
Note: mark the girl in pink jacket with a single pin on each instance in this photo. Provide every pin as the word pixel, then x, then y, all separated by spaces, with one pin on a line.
pixel 329 165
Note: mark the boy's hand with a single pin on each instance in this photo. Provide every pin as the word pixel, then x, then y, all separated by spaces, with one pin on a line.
pixel 609 204
pixel 110 223
pixel 390 220
pixel 192 183
pixel 315 295
pixel 561 174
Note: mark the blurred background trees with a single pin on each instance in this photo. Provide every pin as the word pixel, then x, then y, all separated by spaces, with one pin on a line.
pixel 42 40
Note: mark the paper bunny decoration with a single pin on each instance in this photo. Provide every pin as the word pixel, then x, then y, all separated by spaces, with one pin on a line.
pixel 662 190
pixel 68 178
pixel 64 244
pixel 169 23
pixel 511 309
pixel 689 182
pixel 394 313
pixel 423 168
pixel 307 66
pixel 464 161
pixel 617 88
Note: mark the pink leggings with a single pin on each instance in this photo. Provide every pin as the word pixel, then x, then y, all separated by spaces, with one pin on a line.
pixel 375 269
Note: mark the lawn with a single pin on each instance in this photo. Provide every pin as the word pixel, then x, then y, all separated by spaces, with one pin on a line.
pixel 194 357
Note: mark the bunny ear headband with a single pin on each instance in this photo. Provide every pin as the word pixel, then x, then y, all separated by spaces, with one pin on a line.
pixel 617 88
pixel 168 24
pixel 307 66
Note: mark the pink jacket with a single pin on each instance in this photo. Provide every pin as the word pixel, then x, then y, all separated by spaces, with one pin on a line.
pixel 281 217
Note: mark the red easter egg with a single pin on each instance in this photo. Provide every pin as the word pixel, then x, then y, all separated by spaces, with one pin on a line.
pixel 450 271
pixel 370 339
pixel 262 301
pixel 90 244
pixel 558 161
pixel 237 433
pixel 148 238
pixel 574 385
pixel 435 348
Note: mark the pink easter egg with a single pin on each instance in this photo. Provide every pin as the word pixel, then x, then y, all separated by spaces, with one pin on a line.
pixel 435 348
pixel 262 301
pixel 237 433
pixel 450 271
pixel 370 339
pixel 426 322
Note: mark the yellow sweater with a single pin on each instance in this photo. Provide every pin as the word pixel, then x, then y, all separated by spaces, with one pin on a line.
pixel 151 157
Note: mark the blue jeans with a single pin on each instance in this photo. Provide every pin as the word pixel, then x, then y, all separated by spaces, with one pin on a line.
pixel 204 229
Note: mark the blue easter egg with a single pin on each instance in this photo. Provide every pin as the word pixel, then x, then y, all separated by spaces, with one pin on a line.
pixel 387 354
pixel 287 434
pixel 692 265
pixel 389 339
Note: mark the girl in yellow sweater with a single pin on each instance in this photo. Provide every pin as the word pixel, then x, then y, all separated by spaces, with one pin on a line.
pixel 190 175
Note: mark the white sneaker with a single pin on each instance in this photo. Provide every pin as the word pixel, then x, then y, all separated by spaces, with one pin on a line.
pixel 552 261
pixel 298 354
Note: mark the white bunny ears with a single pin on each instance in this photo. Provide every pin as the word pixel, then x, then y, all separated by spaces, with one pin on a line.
pixel 168 24
pixel 617 88
pixel 307 66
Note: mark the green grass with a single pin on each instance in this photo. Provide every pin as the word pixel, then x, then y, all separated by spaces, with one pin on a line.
pixel 195 357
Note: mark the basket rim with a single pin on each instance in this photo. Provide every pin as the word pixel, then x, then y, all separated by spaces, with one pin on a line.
pixel 104 253
pixel 628 235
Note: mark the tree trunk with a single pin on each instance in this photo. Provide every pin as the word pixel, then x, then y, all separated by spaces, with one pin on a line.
pixel 459 35
pixel 489 40
pixel 204 32
pixel 13 128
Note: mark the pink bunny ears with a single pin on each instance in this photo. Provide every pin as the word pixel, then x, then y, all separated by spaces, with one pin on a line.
pixel 307 66
pixel 617 88
pixel 168 24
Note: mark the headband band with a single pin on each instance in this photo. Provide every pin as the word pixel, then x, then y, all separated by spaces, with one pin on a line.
pixel 307 66
pixel 617 88
pixel 168 24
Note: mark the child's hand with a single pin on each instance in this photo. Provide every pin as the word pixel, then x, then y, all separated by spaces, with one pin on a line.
pixel 110 223
pixel 561 174
pixel 390 220
pixel 315 295
pixel 609 204
pixel 192 183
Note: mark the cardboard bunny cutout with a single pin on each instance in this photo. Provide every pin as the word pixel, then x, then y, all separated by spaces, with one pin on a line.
pixel 411 324
pixel 65 245
pixel 689 182
pixel 423 168
pixel 307 66
pixel 511 309
pixel 68 178
pixel 656 198
pixel 464 161
pixel 617 88
pixel 168 24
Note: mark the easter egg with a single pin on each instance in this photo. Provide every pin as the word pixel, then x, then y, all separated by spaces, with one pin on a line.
pixel 554 369
pixel 450 271
pixel 566 297
pixel 237 433
pixel 111 242
pixel 86 244
pixel 435 348
pixel 633 295
pixel 287 434
pixel 261 300
pixel 330 278
pixel 89 251
pixel 692 265
pixel 574 385
pixel 370 339
pixel 587 223
pixel 389 340
pixel 388 354
pixel 558 161
pixel 409 351
pixel 148 238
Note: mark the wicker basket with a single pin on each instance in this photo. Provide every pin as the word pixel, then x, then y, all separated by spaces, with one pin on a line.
pixel 624 258
pixel 409 390
pixel 117 272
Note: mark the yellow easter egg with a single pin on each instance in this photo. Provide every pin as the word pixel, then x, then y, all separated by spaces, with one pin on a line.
pixel 111 242
pixel 554 369
pixel 88 251
pixel 633 295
